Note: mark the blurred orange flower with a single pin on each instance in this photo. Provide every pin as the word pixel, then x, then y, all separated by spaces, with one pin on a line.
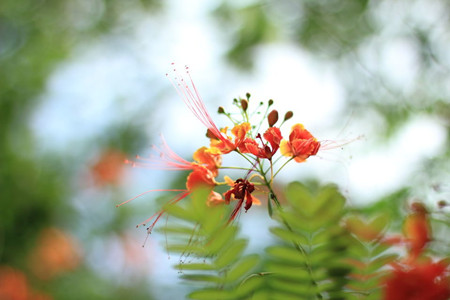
pixel 417 230
pixel 56 252
pixel 109 168
pixel 14 286
pixel 427 281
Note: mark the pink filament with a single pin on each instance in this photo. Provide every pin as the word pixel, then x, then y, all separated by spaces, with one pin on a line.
pixel 166 160
pixel 150 191
pixel 194 102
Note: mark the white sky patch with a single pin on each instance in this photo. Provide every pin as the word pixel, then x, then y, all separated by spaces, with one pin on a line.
pixel 386 169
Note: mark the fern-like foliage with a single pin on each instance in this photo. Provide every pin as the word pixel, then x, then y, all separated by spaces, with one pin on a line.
pixel 211 251
pixel 369 256
pixel 309 261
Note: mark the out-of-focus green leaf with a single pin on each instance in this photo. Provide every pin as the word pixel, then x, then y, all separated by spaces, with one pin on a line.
pixel 245 265
pixel 230 254
pixel 208 294
pixel 294 256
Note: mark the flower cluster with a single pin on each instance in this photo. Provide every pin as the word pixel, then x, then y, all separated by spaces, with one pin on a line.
pixel 263 149
pixel 417 276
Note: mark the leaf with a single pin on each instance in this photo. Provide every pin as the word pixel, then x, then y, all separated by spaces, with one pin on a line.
pixel 194 266
pixel 176 229
pixel 250 285
pixel 221 239
pixel 289 272
pixel 187 248
pixel 230 254
pixel 381 261
pixel 209 294
pixel 201 277
pixel 288 236
pixel 283 253
pixel 182 213
pixel 301 290
pixel 245 265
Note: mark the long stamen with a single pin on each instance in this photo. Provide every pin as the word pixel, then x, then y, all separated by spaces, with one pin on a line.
pixel 193 100
pixel 161 212
pixel 330 144
pixel 149 191
pixel 166 160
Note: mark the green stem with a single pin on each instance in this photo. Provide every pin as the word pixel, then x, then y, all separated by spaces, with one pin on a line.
pixel 236 168
pixel 283 166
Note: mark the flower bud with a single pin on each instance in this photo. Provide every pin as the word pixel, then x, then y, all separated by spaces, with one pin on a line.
pixel 221 110
pixel 270 102
pixel 244 104
pixel 248 96
pixel 288 115
pixel 272 117
pixel 442 204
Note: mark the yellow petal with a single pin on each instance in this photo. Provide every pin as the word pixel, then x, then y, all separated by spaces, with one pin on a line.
pixel 228 180
pixel 285 148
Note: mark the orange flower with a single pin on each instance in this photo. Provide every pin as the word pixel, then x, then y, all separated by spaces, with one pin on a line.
pixel 426 281
pixel 56 252
pixel 210 158
pixel 14 286
pixel 272 135
pixel 239 131
pixel 108 169
pixel 301 145
pixel 417 230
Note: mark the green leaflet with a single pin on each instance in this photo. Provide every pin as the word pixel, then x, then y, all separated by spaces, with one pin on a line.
pixel 212 250
pixel 230 254
pixel 242 267
pixel 208 294
pixel 310 262
pixel 368 254
pixel 319 254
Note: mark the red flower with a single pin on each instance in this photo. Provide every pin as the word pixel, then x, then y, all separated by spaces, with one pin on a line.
pixel 241 191
pixel 272 135
pixel 427 281
pixel 301 145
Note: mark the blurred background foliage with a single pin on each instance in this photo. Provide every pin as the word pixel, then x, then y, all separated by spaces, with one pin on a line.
pixel 390 57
